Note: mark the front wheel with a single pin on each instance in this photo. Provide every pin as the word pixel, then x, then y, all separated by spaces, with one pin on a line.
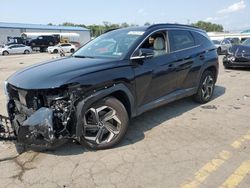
pixel 5 53
pixel 104 124
pixel 206 88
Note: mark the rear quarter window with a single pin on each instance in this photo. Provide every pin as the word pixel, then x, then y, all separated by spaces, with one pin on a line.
pixel 200 39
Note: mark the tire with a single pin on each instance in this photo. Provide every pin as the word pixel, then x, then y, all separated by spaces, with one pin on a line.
pixel 72 50
pixel 26 52
pixel 206 88
pixel 6 53
pixel 104 124
pixel 55 51
pixel 219 52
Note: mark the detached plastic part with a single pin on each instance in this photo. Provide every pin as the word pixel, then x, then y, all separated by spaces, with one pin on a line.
pixel 37 129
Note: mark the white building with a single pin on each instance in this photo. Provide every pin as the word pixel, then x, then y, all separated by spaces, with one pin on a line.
pixel 16 30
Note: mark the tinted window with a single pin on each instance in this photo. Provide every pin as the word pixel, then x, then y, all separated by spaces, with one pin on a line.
pixel 65 45
pixel 180 40
pixel 202 39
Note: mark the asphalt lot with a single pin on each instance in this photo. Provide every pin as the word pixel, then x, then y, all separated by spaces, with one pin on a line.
pixel 182 144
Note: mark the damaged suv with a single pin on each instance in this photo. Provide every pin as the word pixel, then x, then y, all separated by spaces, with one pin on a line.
pixel 91 95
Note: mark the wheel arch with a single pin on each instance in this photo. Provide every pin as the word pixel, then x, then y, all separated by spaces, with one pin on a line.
pixel 119 91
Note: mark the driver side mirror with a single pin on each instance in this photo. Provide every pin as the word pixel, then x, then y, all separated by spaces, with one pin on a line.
pixel 143 53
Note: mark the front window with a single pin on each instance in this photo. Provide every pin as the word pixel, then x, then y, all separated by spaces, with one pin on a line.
pixel 114 44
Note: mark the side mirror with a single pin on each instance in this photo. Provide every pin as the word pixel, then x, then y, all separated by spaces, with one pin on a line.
pixel 143 53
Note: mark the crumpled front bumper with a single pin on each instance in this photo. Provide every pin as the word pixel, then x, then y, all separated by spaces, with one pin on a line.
pixel 231 61
pixel 37 130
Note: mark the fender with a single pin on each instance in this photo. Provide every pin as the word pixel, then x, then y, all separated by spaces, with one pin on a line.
pixel 84 104
pixel 206 66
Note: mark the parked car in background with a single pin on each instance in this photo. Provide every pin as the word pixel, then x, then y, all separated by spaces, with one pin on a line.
pixel 91 95
pixel 238 55
pixel 15 49
pixel 67 48
pixel 222 46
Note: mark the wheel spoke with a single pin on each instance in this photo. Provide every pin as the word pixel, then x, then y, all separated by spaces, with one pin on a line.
pixel 99 135
pixel 111 128
pixel 95 115
pixel 108 116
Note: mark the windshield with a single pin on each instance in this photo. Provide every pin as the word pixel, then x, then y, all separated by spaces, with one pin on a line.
pixel 246 42
pixel 114 44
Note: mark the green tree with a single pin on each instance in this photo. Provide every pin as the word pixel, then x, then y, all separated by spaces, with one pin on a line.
pixel 208 26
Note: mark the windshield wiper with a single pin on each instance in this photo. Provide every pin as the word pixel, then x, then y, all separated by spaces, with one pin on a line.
pixel 82 56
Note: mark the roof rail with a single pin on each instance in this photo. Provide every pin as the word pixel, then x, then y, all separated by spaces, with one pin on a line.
pixel 173 25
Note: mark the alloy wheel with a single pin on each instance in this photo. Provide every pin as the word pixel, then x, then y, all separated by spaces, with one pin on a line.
pixel 207 87
pixel 101 125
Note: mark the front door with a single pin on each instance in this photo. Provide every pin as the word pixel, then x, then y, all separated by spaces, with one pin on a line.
pixel 155 77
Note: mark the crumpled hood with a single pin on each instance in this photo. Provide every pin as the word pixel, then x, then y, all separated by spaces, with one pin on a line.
pixel 56 73
pixel 239 50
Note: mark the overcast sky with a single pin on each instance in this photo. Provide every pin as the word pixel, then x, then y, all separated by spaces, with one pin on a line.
pixel 232 14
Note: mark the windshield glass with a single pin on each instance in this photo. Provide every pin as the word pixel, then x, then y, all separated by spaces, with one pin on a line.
pixel 114 44
pixel 246 42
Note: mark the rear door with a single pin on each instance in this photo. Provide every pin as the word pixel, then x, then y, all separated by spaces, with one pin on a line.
pixel 183 46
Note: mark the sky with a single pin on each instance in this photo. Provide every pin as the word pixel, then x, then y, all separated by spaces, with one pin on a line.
pixel 232 14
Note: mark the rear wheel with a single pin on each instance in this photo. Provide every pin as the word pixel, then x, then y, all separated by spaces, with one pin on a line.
pixel 55 51
pixel 206 88
pixel 104 124
pixel 5 53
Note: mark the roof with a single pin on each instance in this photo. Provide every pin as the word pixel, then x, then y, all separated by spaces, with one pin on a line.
pixel 41 27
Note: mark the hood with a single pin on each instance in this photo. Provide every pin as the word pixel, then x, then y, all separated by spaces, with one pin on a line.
pixel 239 49
pixel 56 73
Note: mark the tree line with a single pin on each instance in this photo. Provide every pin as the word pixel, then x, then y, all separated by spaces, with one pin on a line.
pixel 99 29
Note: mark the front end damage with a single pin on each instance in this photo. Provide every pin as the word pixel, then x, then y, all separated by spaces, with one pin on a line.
pixel 238 56
pixel 42 118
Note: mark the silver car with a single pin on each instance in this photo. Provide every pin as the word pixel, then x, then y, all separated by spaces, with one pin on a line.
pixel 222 46
pixel 15 49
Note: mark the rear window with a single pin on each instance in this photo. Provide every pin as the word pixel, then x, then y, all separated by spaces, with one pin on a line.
pixel 180 39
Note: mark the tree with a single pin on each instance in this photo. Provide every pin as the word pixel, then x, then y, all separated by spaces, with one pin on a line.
pixel 208 26
pixel 147 24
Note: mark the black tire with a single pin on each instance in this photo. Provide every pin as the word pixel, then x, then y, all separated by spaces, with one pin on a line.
pixel 219 52
pixel 72 50
pixel 26 52
pixel 201 96
pixel 55 51
pixel 118 124
pixel 5 53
